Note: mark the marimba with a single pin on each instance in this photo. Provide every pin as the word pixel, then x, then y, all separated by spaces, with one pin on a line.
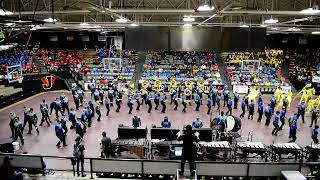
pixel 252 148
pixel 312 151
pixel 136 146
pixel 286 148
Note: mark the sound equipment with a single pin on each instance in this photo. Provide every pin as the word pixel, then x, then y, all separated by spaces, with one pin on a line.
pixel 138 147
pixel 6 145
pixel 132 133
pixel 164 133
pixel 252 148
pixel 286 149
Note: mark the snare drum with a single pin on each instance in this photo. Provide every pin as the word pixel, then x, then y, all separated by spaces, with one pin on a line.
pixel 233 124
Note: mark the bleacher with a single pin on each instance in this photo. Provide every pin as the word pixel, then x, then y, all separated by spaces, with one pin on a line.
pixel 8 91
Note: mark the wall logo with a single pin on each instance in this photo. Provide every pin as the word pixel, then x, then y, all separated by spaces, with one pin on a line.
pixel 48 82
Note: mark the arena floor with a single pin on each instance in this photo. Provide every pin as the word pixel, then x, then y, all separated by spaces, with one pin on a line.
pixel 44 144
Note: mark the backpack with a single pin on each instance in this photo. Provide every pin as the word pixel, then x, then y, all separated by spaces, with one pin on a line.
pixel 76 150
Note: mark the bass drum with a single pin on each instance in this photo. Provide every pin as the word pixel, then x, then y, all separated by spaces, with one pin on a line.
pixel 233 124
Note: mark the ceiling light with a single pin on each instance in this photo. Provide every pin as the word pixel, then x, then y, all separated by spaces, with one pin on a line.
pixel 188 19
pixel 9 24
pixel 205 7
pixel 187 25
pixel 271 21
pixel 84 24
pixel 121 20
pixel 50 20
pixel 134 25
pixel 310 11
pixel 263 25
pixel 97 26
pixel 5 12
pixel 244 26
pixel 103 11
pixel 315 32
pixel 31 25
pixel 294 29
pixel 21 21
pixel 274 28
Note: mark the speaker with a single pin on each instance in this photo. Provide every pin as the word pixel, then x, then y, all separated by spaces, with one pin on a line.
pixel 6 146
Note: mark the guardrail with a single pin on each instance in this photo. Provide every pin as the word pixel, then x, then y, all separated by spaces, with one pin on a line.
pixel 152 167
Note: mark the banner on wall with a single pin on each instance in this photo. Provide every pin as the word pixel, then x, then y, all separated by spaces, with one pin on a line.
pixel 241 89
pixel 48 82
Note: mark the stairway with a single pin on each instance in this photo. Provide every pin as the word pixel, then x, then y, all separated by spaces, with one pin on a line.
pixel 138 69
pixel 289 68
pixel 223 73
pixel 38 63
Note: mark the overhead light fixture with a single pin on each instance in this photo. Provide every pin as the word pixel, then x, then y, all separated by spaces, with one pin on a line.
pixel 294 29
pixel 244 26
pixel 310 11
pixel 271 21
pixel 274 28
pixel 121 20
pixel 84 24
pixel 205 7
pixel 5 12
pixel 315 32
pixel 263 25
pixel 188 19
pixel 103 11
pixel 50 20
pixel 187 25
pixel 97 26
pixel 134 24
pixel 9 24
pixel 31 25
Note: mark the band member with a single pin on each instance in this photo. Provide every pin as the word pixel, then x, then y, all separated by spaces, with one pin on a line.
pixel 175 101
pixel 163 103
pixel 197 100
pixel 107 104
pixel 276 123
pixel 285 103
pixel 52 106
pixel 209 104
pixel 282 117
pixel 156 99
pixel 18 131
pixel 229 105
pixel 172 93
pixel 76 101
pixel 137 98
pixel 60 134
pixel 72 118
pixel 246 99
pixel 58 108
pixel 26 116
pixel 273 103
pixel 101 95
pixel 315 133
pixel 33 119
pixel 143 93
pixel 89 115
pixel 81 95
pixel 63 123
pixel 91 106
pixel 214 95
pixel 117 103
pixel 268 113
pixel 197 123
pixel 188 94
pixel 243 107
pixel 218 99
pixel 79 129
pixel 251 110
pixel 222 122
pixel 225 96
pixel 259 97
pixel 136 121
pixel 293 128
pixel 110 96
pixel 96 95
pixel 166 123
pixel 65 104
pixel 98 111
pixel 260 110
pixel 13 118
pixel 148 102
pixel 92 89
pixel 301 111
pixel 199 92
pixel 184 103
pixel 130 104
pixel 44 109
pixel 235 99
pixel 314 116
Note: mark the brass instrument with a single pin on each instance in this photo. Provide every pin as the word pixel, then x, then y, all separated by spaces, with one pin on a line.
pixel 145 84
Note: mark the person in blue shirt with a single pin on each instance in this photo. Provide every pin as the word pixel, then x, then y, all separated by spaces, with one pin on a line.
pixel 243 107
pixel 197 123
pixel 65 104
pixel 229 105
pixel 156 99
pixel 136 96
pixel 251 109
pixel 197 100
pixel 282 117
pixel 18 130
pixel 273 103
pixel 98 111
pixel 260 110
pixel 301 111
pixel 268 114
pixel 110 96
pixel 222 122
pixel 79 129
pixel 91 106
pixel 107 104
pixel 44 109
pixel 285 103
pixel 89 116
pixel 130 104
pixel 314 116
pixel 315 133
pixel 175 101
pixel 225 96
pixel 163 103
pixel 60 134
pixel 136 121
pixel 76 100
pixel 117 103
pixel 214 95
pixel 166 123
pixel 148 102
pixel 209 104
pixel 235 100
pixel 218 99
pixel 184 103
pixel 276 123
pixel 293 130
pixel 63 123
pixel 72 118
pixel 259 98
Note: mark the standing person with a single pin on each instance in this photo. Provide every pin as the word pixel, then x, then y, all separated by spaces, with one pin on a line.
pixel 229 105
pixel 197 100
pixel 110 96
pixel 259 97
pixel 117 103
pixel 89 115
pixel 107 104
pixel 243 107
pixel 130 104
pixel 137 98
pixel 33 119
pixel 166 123
pixel 314 116
pixel 273 103
pixel 214 95
pixel 285 103
pixel 57 108
pixel 156 99
pixel 60 134
pixel 276 123
pixel 184 103
pixel 79 129
pixel 13 118
pixel 172 93
pixel 268 113
pixel 236 99
pixel 136 121
pixel 76 101
pixel 251 109
pixel 197 123
pixel 148 102
pixel 246 99
pixel 78 154
pixel 301 111
pixel 63 123
pixel 282 117
pixel 26 117
pixel 175 101
pixel 163 103
pixel 18 131
pixel 188 150
pixel 105 145
pixel 52 106
pixel 101 94
pixel 260 110
pixel 98 111
pixel 44 109
pixel 209 104
pixel 81 95
pixel 315 133
pixel 218 102
pixel 225 96
pixel 188 94
pixel 91 106
pixel 65 104
pixel 293 127
pixel 143 93
pixel 72 118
